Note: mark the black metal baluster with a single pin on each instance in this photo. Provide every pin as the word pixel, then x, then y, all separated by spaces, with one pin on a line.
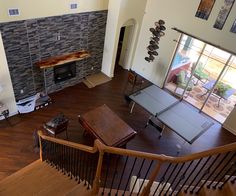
pixel 176 176
pixel 49 152
pixel 219 173
pixel 209 185
pixel 210 166
pixel 64 159
pixel 56 154
pixel 150 165
pixel 95 163
pixel 93 166
pixel 52 154
pixel 173 170
pixel 107 171
pixel 199 161
pixel 198 175
pixel 72 163
pixel 223 176
pixel 122 174
pixel 114 173
pixel 162 178
pixel 138 176
pixel 43 145
pixel 61 155
pixel 130 174
pixel 67 160
pixel 182 177
pixel 90 169
pixel 228 178
pixel 76 164
pixel 47 149
pixel 70 158
pixel 81 167
pixel 86 168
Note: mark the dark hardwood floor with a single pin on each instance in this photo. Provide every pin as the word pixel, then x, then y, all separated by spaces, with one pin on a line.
pixel 16 140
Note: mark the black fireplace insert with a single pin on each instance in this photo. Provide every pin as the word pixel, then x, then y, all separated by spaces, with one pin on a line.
pixel 64 72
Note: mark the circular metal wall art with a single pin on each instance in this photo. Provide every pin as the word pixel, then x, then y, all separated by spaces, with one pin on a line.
pixel 157 33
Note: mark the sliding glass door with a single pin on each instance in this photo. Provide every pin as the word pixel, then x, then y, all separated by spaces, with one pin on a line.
pixel 203 75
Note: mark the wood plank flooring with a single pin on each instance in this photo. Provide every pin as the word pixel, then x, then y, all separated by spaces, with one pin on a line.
pixel 16 141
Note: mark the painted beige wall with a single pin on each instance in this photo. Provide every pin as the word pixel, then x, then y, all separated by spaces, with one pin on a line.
pixel 179 14
pixel 43 8
pixel 6 96
pixel 119 12
pixel 111 37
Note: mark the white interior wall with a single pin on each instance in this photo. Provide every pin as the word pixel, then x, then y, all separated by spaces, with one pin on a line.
pixel 179 14
pixel 119 12
pixel 7 95
pixel 44 8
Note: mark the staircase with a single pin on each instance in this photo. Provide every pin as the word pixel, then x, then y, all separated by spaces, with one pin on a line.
pixel 68 169
pixel 39 178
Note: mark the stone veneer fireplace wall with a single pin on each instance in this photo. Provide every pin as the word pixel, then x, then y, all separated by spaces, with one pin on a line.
pixel 27 42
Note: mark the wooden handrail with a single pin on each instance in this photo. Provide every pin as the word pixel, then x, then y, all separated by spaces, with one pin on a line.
pixel 120 151
pixel 68 143
pixel 164 158
pixel 99 146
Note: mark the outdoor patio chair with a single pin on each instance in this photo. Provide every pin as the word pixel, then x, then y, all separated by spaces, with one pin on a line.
pixel 200 73
pixel 182 81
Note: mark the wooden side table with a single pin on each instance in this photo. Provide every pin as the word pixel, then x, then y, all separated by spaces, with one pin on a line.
pixel 103 124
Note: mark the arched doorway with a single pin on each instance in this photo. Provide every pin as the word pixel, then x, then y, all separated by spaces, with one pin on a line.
pixel 125 44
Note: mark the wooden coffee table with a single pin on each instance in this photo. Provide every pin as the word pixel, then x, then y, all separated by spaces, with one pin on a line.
pixel 103 124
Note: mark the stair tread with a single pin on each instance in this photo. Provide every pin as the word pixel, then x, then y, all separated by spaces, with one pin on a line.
pixel 216 192
pixel 80 189
pixel 114 191
pixel 37 178
pixel 231 187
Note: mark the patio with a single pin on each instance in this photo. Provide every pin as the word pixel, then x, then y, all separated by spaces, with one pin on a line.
pixel 196 97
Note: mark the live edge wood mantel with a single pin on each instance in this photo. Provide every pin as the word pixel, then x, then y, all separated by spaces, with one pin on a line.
pixel 59 60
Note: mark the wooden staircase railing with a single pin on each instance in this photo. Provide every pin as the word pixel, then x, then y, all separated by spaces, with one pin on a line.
pixel 109 170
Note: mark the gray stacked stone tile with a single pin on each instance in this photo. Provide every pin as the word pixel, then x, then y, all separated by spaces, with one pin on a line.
pixel 27 42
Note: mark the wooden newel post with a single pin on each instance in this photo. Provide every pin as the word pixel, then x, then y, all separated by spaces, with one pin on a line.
pixel 146 189
pixel 40 133
pixel 96 181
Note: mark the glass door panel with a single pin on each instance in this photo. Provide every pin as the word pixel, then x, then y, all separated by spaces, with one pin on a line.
pixel 188 51
pixel 204 76
pixel 223 98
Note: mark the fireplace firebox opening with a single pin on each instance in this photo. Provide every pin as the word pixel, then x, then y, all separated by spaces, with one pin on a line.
pixel 64 72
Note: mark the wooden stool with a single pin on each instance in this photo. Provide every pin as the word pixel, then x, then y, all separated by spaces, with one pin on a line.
pixel 134 80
